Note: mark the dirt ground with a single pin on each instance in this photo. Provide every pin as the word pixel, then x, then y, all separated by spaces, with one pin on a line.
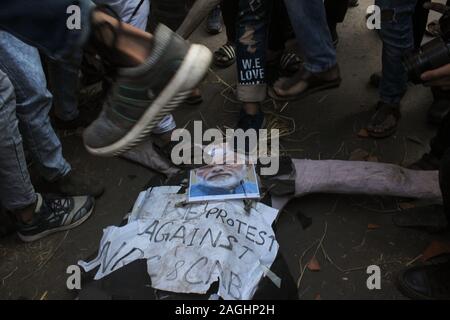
pixel 326 126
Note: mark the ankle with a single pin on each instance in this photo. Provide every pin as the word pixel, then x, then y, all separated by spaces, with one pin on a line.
pixel 164 139
pixel 26 215
pixel 121 44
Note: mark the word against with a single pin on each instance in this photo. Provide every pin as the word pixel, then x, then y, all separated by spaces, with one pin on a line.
pixel 374 280
pixel 74 280
pixel 373 17
pixel 255 145
pixel 73 22
pixel 189 247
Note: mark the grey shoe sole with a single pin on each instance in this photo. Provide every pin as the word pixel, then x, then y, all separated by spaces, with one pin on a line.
pixel 191 72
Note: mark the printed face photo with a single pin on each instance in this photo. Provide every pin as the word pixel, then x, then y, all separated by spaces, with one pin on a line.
pixel 223 181
pixel 226 176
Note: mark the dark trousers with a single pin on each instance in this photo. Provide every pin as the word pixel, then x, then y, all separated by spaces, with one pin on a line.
pixel 420 20
pixel 253 20
pixel 280 29
pixel 440 148
pixel 43 24
pixel 440 144
pixel 230 10
pixel 444 180
pixel 336 11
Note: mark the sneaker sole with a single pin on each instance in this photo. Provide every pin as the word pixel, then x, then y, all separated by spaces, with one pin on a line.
pixel 191 72
pixel 52 231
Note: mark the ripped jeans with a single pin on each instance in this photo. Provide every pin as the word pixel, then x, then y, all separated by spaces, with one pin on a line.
pixel 308 19
pixel 398 38
pixel 251 45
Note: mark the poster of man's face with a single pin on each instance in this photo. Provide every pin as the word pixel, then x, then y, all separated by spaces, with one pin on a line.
pixel 223 181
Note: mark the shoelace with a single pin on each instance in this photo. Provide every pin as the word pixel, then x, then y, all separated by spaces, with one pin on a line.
pixel 58 206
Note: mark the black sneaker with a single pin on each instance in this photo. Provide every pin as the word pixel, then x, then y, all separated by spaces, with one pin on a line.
pixel 54 214
pixel 438 111
pixel 428 282
pixel 428 162
pixel 250 121
pixel 431 218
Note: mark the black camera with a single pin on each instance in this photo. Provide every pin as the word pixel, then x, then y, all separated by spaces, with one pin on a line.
pixel 432 55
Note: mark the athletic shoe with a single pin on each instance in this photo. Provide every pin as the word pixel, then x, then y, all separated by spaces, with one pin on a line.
pixel 54 214
pixel 142 96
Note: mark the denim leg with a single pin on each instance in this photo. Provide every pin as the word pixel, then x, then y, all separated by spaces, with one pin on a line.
pixel 16 190
pixel 23 66
pixel 252 33
pixel 309 21
pixel 63 78
pixel 398 38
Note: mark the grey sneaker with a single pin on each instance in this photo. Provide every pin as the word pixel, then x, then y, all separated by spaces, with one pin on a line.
pixel 54 214
pixel 143 95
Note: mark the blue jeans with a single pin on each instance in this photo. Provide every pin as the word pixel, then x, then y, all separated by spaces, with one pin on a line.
pixel 398 38
pixel 251 45
pixel 309 21
pixel 63 79
pixel 16 190
pixel 29 102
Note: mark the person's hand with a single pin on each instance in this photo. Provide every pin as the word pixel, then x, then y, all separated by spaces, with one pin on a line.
pixel 439 77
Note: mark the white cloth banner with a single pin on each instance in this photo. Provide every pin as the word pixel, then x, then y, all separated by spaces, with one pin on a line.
pixel 190 246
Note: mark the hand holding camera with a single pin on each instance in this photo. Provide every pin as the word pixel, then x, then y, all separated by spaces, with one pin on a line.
pixel 439 77
pixel 430 64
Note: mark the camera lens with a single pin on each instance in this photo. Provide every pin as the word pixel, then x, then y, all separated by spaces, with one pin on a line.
pixel 432 55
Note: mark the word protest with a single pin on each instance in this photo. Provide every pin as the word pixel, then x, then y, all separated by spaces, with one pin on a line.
pixel 188 247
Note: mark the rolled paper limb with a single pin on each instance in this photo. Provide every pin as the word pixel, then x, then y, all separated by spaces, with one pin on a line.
pixel 366 178
pixel 195 17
